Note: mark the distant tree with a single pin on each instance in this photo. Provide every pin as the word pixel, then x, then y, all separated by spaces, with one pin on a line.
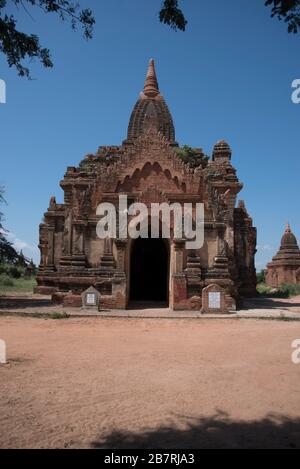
pixel 22 261
pixel 261 276
pixel 8 254
pixel 17 45
pixel 32 266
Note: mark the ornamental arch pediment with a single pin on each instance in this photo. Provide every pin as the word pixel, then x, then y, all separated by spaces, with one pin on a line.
pixel 151 175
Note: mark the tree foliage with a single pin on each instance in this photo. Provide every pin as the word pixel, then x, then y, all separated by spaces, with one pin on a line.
pixel 8 254
pixel 286 10
pixel 193 157
pixel 261 276
pixel 18 46
pixel 171 15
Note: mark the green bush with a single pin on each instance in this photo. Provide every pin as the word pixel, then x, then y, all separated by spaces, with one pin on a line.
pixel 19 284
pixel 279 294
pixel 285 291
pixel 6 281
pixel 15 272
pixel 57 315
pixel 193 157
pixel 263 289
pixel 12 270
pixel 4 268
pixel 290 290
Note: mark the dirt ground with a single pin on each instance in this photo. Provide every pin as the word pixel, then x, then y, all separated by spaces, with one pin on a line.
pixel 149 383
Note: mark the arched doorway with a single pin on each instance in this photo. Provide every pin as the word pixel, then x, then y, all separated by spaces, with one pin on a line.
pixel 149 271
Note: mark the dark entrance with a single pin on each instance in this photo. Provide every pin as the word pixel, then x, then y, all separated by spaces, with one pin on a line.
pixel 149 270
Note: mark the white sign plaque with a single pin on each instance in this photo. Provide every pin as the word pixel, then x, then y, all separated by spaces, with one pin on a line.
pixel 2 351
pixel 90 299
pixel 214 300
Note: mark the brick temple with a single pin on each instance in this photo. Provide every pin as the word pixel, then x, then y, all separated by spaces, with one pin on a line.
pixel 285 265
pixel 148 167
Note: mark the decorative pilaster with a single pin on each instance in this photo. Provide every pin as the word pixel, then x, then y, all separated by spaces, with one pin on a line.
pixel 220 267
pixel 179 283
pixel 107 262
pixel 73 243
pixel 193 264
pixel 50 257
pixel 178 255
pixel 193 273
pixel 78 258
pixel 43 245
pixel 119 286
pixel 121 247
pixel 78 238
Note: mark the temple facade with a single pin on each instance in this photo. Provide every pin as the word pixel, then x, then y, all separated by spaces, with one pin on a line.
pixel 285 266
pixel 149 166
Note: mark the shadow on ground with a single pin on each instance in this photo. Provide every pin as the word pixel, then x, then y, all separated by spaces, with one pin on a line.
pixel 218 431
pixel 269 303
pixel 24 302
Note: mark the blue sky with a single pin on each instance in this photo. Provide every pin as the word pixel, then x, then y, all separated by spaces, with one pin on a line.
pixel 228 76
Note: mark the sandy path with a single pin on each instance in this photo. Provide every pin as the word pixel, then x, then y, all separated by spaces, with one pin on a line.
pixel 149 383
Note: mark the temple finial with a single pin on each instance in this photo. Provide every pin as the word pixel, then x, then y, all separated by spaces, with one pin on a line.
pixel 288 228
pixel 151 85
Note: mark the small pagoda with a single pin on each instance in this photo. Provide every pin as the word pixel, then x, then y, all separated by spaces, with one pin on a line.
pixel 285 266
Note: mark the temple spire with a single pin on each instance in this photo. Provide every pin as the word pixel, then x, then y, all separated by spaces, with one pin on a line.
pixel 151 110
pixel 151 85
pixel 288 228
